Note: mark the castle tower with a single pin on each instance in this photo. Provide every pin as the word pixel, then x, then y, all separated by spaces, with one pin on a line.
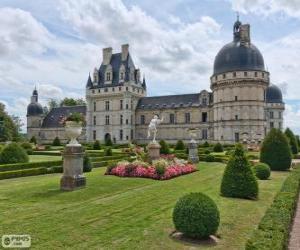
pixel 112 95
pixel 239 84
pixel 34 116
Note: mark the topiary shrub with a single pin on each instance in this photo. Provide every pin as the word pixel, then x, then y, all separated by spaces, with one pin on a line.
pixel 292 140
pixel 56 142
pixel 262 171
pixel 108 152
pixel 108 142
pixel 179 145
pixel 218 147
pixel 207 152
pixel 87 165
pixel 33 140
pixel 96 145
pixel 164 147
pixel 28 147
pixel 13 153
pixel 196 215
pixel 238 179
pixel 205 144
pixel 275 151
pixel 210 158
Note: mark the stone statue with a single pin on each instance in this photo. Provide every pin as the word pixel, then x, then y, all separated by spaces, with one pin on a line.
pixel 152 126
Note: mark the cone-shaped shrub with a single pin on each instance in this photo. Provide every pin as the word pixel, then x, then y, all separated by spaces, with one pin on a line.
pixel 292 140
pixel 196 215
pixel 205 144
pixel 164 147
pixel 33 140
pixel 108 142
pixel 56 142
pixel 275 151
pixel 179 145
pixel 87 165
pixel 97 145
pixel 13 153
pixel 238 179
pixel 218 147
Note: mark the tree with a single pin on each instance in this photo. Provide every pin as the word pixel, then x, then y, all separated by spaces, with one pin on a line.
pixel 9 126
pixel 179 145
pixel 292 140
pixel 298 141
pixel 52 104
pixel 238 179
pixel 56 142
pixel 218 147
pixel 33 140
pixel 276 151
pixel 72 102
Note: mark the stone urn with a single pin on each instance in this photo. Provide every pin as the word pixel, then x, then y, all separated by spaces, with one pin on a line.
pixel 73 131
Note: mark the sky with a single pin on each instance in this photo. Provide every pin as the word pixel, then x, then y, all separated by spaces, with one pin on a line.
pixel 54 44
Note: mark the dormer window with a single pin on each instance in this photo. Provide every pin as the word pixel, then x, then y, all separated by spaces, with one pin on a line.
pixel 122 76
pixel 122 73
pixel 108 76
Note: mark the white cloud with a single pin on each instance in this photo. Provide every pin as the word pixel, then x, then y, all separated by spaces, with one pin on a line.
pixel 292 117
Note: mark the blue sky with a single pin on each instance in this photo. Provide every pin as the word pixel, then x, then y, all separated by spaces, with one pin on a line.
pixel 54 44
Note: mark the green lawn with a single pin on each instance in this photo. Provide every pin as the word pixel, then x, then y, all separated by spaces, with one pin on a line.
pixel 123 213
pixel 39 158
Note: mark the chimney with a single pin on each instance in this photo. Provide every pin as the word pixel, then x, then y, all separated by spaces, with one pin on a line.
pixel 125 51
pixel 245 34
pixel 107 52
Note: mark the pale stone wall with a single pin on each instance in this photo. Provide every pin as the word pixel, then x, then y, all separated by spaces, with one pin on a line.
pixel 277 120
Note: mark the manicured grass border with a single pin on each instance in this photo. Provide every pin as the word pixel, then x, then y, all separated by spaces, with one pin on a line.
pixel 273 229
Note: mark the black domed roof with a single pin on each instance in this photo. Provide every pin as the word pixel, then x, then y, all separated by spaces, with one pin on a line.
pixel 273 94
pixel 240 54
pixel 34 109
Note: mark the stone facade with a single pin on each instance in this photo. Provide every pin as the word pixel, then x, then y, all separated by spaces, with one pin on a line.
pixel 241 102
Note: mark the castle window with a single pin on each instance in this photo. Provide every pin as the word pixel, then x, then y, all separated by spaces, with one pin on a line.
pixel 204 101
pixel 236 117
pixel 235 98
pixel 234 74
pixel 122 76
pixel 271 124
pixel 99 90
pixel 95 106
pixel 216 77
pixel 204 116
pixel 121 119
pixel 94 135
pixel 121 135
pixel 121 104
pixel 106 105
pixel 93 91
pixel 126 88
pixel 271 114
pixel 255 74
pixel 113 89
pixel 172 118
pixel 142 119
pixel 280 125
pixel 131 134
pixel 94 120
pixel 120 88
pixel 108 76
pixel 187 117
pixel 107 120
pixel 105 90
pixel 224 76
pixel 263 74
pixel 204 134
pixel 127 106
pixel 245 73
pixel 279 115
pixel 236 137
pixel 126 121
pixel 131 119
pixel 127 137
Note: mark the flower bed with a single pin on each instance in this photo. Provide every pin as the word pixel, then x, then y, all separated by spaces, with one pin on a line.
pixel 162 169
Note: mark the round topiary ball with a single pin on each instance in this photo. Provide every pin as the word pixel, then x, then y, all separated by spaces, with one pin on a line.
pixel 13 153
pixel 196 215
pixel 262 171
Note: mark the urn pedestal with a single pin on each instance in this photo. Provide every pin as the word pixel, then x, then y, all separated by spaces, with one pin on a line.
pixel 73 168
pixel 153 150
pixel 193 151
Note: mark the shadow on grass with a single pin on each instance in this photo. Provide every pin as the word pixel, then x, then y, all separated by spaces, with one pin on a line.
pixel 48 193
pixel 181 238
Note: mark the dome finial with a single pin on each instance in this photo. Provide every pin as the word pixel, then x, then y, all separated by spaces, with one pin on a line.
pixel 237 16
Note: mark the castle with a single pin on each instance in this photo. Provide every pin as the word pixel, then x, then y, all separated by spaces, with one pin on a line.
pixel 242 103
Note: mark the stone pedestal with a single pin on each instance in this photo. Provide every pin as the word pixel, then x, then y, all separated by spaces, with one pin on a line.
pixel 153 150
pixel 193 151
pixel 73 168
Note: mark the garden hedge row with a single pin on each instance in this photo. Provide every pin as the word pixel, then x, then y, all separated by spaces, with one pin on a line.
pixel 29 165
pixel 273 229
pixel 22 173
pixel 46 153
pixel 106 163
pixel 105 158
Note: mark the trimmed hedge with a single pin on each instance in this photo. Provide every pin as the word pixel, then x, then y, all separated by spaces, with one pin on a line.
pixel 29 165
pixel 218 148
pixel 273 229
pixel 262 171
pixel 106 163
pixel 46 153
pixel 22 173
pixel 13 153
pixel 180 145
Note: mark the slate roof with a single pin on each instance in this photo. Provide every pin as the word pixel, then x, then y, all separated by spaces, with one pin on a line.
pixel 34 109
pixel 54 117
pixel 273 94
pixel 169 101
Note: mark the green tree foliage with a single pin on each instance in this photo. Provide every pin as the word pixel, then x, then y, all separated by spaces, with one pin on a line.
pixel 97 145
pixel 56 142
pixel 292 140
pixel 196 215
pixel 9 130
pixel 87 165
pixel 108 142
pixel 298 141
pixel 238 179
pixel 13 153
pixel 275 151
pixel 218 147
pixel 28 147
pixel 205 144
pixel 33 140
pixel 72 102
pixel 108 152
pixel 164 147
pixel 179 145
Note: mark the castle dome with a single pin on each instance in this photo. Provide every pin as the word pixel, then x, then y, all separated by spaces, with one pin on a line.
pixel 273 94
pixel 240 54
pixel 34 109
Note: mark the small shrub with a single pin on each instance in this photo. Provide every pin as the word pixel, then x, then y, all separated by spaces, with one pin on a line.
pixel 179 145
pixel 108 142
pixel 196 215
pixel 210 158
pixel 108 152
pixel 164 147
pixel 238 178
pixel 207 152
pixel 160 166
pixel 96 145
pixel 205 144
pixel 275 151
pixel 33 140
pixel 87 165
pixel 28 147
pixel 56 142
pixel 13 153
pixel 218 147
pixel 262 171
pixel 47 147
